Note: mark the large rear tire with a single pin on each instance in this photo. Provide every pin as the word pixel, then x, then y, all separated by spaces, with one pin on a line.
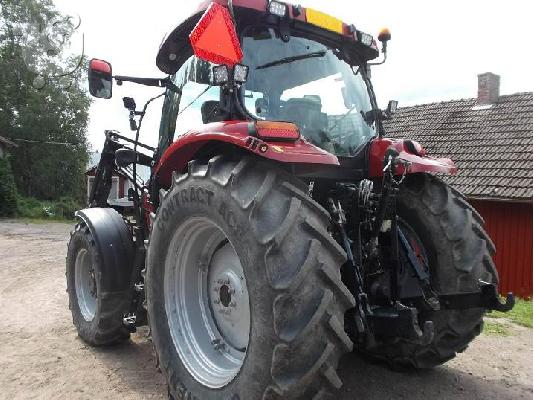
pixel 459 255
pixel 277 255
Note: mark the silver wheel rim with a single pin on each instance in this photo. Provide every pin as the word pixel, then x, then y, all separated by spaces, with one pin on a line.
pixel 85 282
pixel 206 302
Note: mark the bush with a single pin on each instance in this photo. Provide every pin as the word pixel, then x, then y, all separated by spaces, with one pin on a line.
pixel 32 208
pixel 66 207
pixel 8 191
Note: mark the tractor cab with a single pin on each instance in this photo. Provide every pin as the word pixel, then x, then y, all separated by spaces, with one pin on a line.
pixel 295 65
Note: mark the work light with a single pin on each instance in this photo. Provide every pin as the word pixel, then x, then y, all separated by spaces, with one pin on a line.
pixel 366 39
pixel 240 73
pixel 220 75
pixel 278 8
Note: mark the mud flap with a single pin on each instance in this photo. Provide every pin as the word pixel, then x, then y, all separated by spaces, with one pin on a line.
pixel 115 246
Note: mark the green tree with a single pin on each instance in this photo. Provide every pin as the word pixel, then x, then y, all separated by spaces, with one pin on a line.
pixel 39 112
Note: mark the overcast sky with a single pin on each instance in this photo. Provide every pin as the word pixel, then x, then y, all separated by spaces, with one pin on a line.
pixel 437 48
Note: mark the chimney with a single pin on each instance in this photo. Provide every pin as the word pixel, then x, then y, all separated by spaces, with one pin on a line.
pixel 488 88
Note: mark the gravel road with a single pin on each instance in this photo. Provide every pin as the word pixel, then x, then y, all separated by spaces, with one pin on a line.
pixel 41 356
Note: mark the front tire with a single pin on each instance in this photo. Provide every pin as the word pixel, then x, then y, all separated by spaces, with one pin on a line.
pixel 97 313
pixel 292 330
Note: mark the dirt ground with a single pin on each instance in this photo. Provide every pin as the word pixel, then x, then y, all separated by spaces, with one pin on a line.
pixel 41 356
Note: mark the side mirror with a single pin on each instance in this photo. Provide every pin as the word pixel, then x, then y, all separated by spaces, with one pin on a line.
pixel 392 108
pixel 129 103
pixel 100 79
pixel 214 38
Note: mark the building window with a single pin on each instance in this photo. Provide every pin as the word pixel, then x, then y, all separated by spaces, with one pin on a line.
pixel 113 193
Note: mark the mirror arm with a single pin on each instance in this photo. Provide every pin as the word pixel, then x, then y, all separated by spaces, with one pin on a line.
pixel 383 60
pixel 384 52
pixel 141 81
pixel 167 83
pixel 164 83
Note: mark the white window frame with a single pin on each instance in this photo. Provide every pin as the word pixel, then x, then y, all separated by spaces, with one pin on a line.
pixel 114 179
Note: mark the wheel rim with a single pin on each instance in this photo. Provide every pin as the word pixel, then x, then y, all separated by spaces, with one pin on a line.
pixel 207 303
pixel 417 247
pixel 85 282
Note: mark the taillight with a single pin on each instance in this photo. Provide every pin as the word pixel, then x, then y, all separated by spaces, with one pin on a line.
pixel 272 130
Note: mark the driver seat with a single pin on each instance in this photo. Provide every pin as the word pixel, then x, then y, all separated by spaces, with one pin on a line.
pixel 305 112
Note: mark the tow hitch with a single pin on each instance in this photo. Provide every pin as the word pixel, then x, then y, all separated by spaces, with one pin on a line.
pixel 401 320
pixel 487 298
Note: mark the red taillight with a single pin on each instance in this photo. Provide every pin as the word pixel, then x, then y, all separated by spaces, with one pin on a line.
pixel 284 131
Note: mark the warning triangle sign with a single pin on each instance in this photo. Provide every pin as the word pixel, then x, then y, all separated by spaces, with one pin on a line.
pixel 214 38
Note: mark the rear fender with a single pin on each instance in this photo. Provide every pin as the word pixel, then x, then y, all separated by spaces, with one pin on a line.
pixel 236 133
pixel 409 151
pixel 114 244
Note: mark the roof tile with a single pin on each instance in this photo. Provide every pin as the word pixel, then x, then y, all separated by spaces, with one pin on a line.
pixel 492 147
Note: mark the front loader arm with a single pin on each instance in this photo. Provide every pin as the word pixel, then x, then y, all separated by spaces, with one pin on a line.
pixel 98 197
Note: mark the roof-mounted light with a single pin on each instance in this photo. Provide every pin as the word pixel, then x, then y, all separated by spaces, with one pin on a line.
pixel 278 8
pixel 220 75
pixel 366 39
pixel 240 73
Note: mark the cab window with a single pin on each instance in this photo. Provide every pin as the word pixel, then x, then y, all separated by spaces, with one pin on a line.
pixel 194 79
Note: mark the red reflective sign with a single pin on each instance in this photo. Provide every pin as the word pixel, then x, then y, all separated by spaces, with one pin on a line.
pixel 214 38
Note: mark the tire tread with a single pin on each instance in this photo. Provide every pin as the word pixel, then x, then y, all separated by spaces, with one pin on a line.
pixel 299 223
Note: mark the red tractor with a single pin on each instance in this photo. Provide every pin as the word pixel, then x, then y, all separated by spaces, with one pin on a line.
pixel 279 228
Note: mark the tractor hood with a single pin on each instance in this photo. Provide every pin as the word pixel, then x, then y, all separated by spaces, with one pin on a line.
pixel 176 48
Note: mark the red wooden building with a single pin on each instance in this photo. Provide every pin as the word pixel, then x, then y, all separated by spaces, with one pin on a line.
pixel 120 183
pixel 490 139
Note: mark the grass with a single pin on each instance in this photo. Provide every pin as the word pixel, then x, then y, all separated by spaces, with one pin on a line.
pixel 494 328
pixel 41 211
pixel 521 314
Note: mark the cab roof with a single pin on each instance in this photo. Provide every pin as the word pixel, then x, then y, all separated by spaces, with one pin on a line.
pixel 176 48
